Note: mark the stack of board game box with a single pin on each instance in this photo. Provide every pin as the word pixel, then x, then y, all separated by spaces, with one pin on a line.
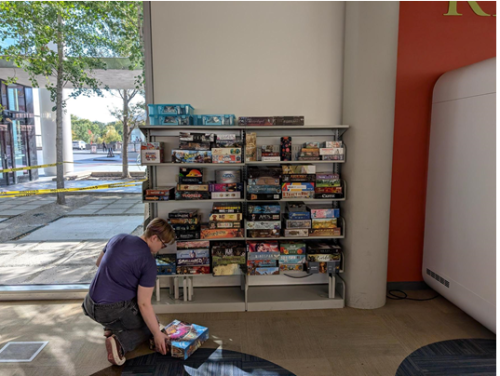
pixel 227 185
pixel 263 220
pixel 152 152
pixel 228 149
pixel 323 257
pixel 328 185
pixel 193 257
pixel 263 257
pixel 166 264
pixel 298 181
pixel 332 151
pixel 191 185
pixel 297 219
pixel 159 194
pixel 185 223
pixel 264 183
pixel 292 256
pixel 309 152
pixel 268 153
pixel 224 221
pixel 324 220
pixel 170 114
pixel 183 338
pixel 270 120
pixel 228 257
pixel 194 148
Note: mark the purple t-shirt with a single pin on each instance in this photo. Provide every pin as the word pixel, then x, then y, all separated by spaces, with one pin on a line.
pixel 126 264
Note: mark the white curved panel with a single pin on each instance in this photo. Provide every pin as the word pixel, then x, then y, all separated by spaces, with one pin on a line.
pixel 459 243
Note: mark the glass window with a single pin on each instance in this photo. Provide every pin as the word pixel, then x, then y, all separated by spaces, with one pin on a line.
pixel 20 147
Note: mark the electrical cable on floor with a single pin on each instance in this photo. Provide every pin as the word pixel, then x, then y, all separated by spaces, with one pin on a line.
pixel 405 296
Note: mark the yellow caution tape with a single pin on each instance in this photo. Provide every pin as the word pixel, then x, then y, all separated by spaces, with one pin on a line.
pixel 32 167
pixel 48 191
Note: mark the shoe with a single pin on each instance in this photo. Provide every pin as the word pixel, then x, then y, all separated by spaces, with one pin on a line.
pixel 115 351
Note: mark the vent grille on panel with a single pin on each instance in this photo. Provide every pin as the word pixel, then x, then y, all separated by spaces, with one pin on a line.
pixel 438 278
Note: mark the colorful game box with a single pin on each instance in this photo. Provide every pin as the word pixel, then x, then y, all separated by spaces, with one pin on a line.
pixel 226 155
pixel 298 169
pixel 324 223
pixel 323 257
pixel 207 233
pixel 298 178
pixel 192 187
pixel 331 144
pixel 263 225
pixel 199 269
pixel 263 233
pixel 263 217
pixel 228 217
pixel 297 187
pixel 187 145
pixel 187 235
pixel 299 232
pixel 263 196
pixel 191 156
pixel 292 259
pixel 193 245
pixel 326 232
pixel 185 227
pixel 264 208
pixel 183 221
pixel 323 248
pixel 225 195
pixel 193 261
pixel 297 215
pixel 264 180
pixel 192 195
pixel 183 213
pixel 219 224
pixel 264 189
pixel 286 148
pixel 226 187
pixel 293 248
pixel 165 264
pixel 257 172
pixel 263 246
pixel 193 253
pixel 323 211
pixel 284 268
pixel 196 137
pixel 226 207
pixel 264 271
pixel 291 223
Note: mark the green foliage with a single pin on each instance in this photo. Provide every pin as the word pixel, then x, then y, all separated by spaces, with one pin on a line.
pixel 80 128
pixel 111 135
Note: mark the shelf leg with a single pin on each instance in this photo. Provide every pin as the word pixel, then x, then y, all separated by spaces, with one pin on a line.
pixel 184 289
pixel 176 288
pixel 171 286
pixel 157 289
pixel 190 288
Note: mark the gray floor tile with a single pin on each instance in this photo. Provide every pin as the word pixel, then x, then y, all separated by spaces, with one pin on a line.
pixel 65 274
pixel 111 211
pixel 12 212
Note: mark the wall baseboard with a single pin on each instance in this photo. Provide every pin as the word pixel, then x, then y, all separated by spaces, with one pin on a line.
pixel 421 285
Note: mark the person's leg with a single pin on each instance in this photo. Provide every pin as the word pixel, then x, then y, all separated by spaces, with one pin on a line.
pixel 134 330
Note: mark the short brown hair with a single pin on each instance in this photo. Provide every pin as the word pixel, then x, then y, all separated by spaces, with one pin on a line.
pixel 160 228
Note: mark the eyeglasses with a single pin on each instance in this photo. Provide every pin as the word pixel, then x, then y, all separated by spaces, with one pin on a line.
pixel 165 245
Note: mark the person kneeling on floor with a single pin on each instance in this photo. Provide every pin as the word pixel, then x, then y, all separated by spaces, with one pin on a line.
pixel 120 294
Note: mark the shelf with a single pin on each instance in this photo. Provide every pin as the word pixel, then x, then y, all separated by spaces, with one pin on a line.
pixel 208 200
pixel 188 127
pixel 205 299
pixel 221 239
pixel 170 164
pixel 294 297
pixel 291 162
pixel 300 199
pixel 298 237
pixel 271 127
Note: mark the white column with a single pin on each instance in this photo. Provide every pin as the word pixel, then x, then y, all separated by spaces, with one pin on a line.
pixel 370 59
pixel 48 123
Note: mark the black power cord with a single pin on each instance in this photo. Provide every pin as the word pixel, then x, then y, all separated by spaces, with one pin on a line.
pixel 405 296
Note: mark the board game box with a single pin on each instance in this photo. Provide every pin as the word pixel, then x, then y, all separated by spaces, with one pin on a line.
pixel 322 257
pixel 191 156
pixel 263 196
pixel 228 217
pixel 193 245
pixel 263 225
pixel 293 223
pixel 183 221
pixel 183 213
pixel 226 187
pixel 264 180
pixel 225 195
pixel 187 145
pixel 263 233
pixel 192 195
pixel 193 253
pixel 264 208
pixel 284 268
pixel 262 263
pixel 298 178
pixel 289 120
pixel 165 264
pixel 298 169
pixel 264 271
pixel 297 215
pixel 189 269
pixel 324 248
pixel 263 217
pixel 226 155
pixel 323 211
pixel 187 235
pixel 293 259
pixel 226 207
pixel 193 261
pixel 331 144
pixel 293 248
pixel 263 246
pixel 299 232
pixel 297 187
pixel 264 189
pixel 257 172
pixel 207 233
pixel 298 195
pixel 328 190
pixel 192 187
pixel 185 227
pixel 219 224
pixel 324 223
pixel 196 137
pixel 326 232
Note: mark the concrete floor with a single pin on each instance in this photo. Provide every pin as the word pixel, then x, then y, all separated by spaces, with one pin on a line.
pixel 112 205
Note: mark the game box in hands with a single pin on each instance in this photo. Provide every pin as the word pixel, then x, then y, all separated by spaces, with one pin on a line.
pixel 185 338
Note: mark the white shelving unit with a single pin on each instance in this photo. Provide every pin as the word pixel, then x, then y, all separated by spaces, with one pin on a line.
pixel 207 293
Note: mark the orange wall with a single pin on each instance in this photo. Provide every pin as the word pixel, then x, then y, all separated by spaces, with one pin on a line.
pixel 429 45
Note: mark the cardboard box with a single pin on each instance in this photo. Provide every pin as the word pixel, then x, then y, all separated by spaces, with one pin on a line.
pixel 160 191
pixel 183 221
pixel 311 145
pixel 323 257
pixel 285 268
pixel 227 176
pixel 185 227
pixel 335 157
pixel 226 155
pixel 324 223
pixel 184 338
pixel 328 190
pixel 328 195
pixel 331 267
pixel 192 187
pixel 323 183
pixel 263 233
pixel 218 224
pixel 256 120
pixel 257 172
pixel 227 269
pixel 263 256
pixel 302 195
pixel 226 207
pixel 151 156
pixel 263 196
pixel 228 217
pixel 331 151
pixel 225 195
pixel 297 215
pixel 270 246
pixel 265 158
pixel 293 248
pixel 193 261
pixel 264 189
pixel 187 145
pixel 193 245
pixel 331 144
pixel 264 271
pixel 157 198
pixel 326 176
pixel 306 152
pixel 263 217
pixel 187 235
pixel 286 148
pixel 262 263
pixel 292 259
pixel 198 269
pixel 323 248
pixel 184 180
pixel 326 232
pixel 165 264
pixel 193 253
pixel 323 211
pixel 298 178
pixel 263 225
pixel 192 195
pixel 207 233
pixel 196 137
pixel 298 169
pixel 289 120
pixel 297 187
pixel 226 187
pixel 264 208
pixel 187 172
pixel 191 156
pixel 293 223
pixel 299 232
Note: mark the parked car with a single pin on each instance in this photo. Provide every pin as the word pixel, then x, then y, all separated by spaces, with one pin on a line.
pixel 79 145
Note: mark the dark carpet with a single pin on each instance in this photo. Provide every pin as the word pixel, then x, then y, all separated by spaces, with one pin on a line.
pixel 461 357
pixel 204 362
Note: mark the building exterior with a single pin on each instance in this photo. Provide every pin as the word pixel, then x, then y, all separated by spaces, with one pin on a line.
pixel 17 133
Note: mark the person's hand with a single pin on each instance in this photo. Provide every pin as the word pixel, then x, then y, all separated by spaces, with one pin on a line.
pixel 160 343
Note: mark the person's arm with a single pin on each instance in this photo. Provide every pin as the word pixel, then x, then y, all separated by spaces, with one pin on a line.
pixel 98 262
pixel 144 295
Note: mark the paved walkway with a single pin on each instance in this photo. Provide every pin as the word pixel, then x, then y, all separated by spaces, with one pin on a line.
pixel 14 206
pixel 113 205
pixel 35 185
